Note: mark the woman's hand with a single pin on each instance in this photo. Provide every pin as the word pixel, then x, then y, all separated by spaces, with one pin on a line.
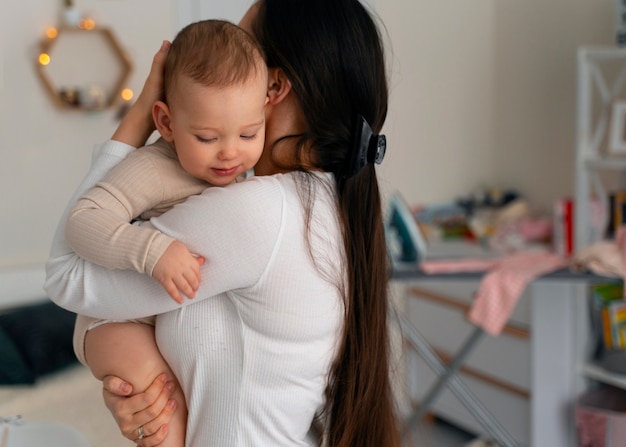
pixel 145 414
pixel 137 125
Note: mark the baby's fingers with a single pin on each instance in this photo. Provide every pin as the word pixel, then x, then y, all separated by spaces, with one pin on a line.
pixel 185 286
pixel 172 290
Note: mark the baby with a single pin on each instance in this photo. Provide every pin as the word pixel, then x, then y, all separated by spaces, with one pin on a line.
pixel 212 127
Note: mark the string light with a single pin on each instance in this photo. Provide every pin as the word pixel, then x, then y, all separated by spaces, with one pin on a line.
pixel 87 24
pixel 44 59
pixel 86 95
pixel 52 32
pixel 127 94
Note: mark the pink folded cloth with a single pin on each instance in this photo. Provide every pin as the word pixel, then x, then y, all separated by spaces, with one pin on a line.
pixel 504 283
pixel 591 428
pixel 502 286
pixel 457 265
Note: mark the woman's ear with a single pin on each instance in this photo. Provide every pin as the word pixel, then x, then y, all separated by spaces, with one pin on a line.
pixel 162 120
pixel 279 86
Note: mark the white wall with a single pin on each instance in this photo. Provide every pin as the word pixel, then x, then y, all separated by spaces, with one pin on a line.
pixel 440 124
pixel 535 81
pixel 193 10
pixel 45 151
pixel 483 92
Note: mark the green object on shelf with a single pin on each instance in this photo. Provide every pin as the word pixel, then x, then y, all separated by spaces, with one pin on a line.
pixel 609 323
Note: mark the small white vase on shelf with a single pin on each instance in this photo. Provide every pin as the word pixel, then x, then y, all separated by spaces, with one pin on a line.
pixel 71 14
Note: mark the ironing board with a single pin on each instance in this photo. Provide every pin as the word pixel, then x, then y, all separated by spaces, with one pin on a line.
pixel 447 377
pixel 407 248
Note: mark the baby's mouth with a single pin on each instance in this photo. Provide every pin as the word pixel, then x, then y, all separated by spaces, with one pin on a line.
pixel 225 172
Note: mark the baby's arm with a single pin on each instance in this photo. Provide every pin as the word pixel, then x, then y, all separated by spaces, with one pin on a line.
pixel 98 228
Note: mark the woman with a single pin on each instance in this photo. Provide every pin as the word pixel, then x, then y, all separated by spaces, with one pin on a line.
pixel 289 323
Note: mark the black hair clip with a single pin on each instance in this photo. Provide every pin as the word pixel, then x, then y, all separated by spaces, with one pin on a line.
pixel 367 147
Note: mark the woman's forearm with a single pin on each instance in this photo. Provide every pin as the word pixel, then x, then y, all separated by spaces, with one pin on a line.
pixel 137 125
pixel 85 288
pixel 67 275
pixel 92 290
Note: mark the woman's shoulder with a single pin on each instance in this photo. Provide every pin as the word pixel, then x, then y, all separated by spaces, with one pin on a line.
pixel 295 179
pixel 278 191
pixel 262 191
pixel 291 185
pixel 268 184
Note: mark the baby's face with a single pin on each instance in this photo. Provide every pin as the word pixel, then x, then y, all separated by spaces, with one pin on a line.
pixel 219 132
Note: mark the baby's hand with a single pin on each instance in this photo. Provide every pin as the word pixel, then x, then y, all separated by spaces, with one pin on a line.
pixel 178 271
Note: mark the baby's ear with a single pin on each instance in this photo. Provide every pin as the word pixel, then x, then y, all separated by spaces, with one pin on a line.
pixel 162 120
pixel 278 86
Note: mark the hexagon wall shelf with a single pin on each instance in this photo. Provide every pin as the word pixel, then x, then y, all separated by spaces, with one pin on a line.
pixel 83 68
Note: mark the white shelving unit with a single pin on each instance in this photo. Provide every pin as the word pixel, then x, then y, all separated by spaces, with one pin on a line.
pixel 601 81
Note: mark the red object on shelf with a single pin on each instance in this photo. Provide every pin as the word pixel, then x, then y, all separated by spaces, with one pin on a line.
pixel 563 230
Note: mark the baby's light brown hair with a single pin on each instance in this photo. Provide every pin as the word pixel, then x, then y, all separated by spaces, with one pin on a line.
pixel 214 53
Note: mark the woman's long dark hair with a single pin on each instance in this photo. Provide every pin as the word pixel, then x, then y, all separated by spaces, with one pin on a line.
pixel 332 53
